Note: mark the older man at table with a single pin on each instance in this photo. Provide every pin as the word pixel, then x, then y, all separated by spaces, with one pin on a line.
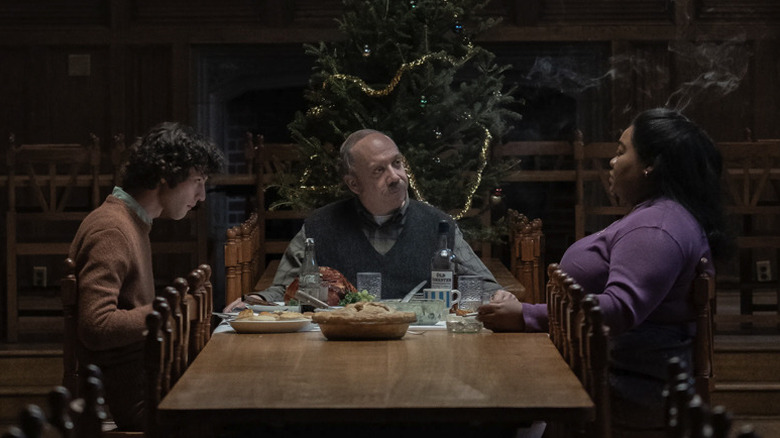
pixel 163 177
pixel 380 229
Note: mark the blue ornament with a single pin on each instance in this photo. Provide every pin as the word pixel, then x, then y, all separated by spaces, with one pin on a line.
pixel 457 27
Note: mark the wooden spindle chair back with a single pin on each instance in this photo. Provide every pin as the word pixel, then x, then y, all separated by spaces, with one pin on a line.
pixel 597 357
pixel 703 296
pixel 526 243
pixel 577 329
pixel 69 296
pixel 201 292
pixel 243 264
pixel 688 414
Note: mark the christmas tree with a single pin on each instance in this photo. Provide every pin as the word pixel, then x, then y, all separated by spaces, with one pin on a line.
pixel 410 69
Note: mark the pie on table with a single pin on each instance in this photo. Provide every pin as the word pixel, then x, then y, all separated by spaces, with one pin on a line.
pixel 364 320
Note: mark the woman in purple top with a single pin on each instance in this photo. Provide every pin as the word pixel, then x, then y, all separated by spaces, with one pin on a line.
pixel 641 266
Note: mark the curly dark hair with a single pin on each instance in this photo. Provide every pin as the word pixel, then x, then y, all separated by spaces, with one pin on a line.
pixel 687 168
pixel 168 151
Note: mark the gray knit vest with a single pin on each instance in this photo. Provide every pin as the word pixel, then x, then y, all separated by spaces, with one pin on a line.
pixel 342 245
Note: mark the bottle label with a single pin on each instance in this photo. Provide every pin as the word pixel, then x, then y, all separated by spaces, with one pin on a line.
pixel 441 280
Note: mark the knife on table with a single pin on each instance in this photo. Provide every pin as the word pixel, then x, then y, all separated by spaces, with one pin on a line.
pixel 308 299
pixel 409 296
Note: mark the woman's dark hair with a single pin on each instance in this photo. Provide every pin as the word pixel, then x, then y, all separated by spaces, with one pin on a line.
pixel 168 151
pixel 686 167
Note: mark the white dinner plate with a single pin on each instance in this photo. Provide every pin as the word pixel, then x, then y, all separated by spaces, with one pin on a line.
pixel 281 308
pixel 241 326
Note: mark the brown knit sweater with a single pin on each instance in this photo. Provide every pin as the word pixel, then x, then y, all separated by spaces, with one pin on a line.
pixel 115 283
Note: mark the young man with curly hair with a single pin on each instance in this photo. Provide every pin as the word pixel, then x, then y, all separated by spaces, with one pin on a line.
pixel 163 177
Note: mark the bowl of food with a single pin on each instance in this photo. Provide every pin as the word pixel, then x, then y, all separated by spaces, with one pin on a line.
pixel 364 321
pixel 463 324
pixel 429 312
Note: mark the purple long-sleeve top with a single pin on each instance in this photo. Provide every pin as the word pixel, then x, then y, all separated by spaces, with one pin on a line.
pixel 640 266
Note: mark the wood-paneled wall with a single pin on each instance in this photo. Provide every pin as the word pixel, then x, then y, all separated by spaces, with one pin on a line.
pixel 71 68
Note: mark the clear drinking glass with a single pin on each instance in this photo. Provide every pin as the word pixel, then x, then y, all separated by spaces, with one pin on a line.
pixel 470 287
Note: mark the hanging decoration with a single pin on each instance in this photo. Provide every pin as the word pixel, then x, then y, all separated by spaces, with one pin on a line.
pixel 438 56
pixel 381 92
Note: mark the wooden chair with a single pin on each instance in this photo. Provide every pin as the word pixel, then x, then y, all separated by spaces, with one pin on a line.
pixel 69 296
pixel 577 329
pixel 751 172
pixel 179 320
pixel 526 243
pixel 90 408
pixel 200 293
pixel 553 292
pixel 688 414
pixel 595 207
pixel 703 296
pixel 34 423
pixel 184 309
pixel 242 258
pixel 274 163
pixel 50 187
pixel 545 161
pixel 597 358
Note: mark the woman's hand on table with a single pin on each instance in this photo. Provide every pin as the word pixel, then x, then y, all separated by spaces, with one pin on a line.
pixel 502 295
pixel 504 313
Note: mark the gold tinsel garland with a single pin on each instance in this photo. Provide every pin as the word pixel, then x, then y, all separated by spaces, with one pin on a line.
pixel 440 56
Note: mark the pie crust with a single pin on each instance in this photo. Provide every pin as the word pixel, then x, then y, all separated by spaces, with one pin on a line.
pixel 364 312
pixel 364 321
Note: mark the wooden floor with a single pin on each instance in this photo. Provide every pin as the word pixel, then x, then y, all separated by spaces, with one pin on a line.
pixel 755 346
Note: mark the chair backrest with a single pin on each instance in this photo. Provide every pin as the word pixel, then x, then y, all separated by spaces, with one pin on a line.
pixel 209 291
pixel 179 321
pixel 242 258
pixel 553 293
pixel 155 352
pixel 274 164
pixel 594 198
pixel 200 293
pixel 537 161
pixel 687 414
pixel 69 296
pixel 577 329
pixel 703 296
pixel 526 243
pixel 34 423
pixel 597 357
pixel 53 172
pixel 50 187
pixel 751 175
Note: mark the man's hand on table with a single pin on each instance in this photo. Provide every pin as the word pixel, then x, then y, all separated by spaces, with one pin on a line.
pixel 504 313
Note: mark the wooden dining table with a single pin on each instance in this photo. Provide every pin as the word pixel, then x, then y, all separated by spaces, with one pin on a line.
pixel 427 377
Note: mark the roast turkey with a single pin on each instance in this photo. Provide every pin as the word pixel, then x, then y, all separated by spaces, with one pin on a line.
pixel 338 286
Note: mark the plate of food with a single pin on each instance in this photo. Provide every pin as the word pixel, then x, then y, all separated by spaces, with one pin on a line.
pixel 364 321
pixel 269 322
pixel 259 308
